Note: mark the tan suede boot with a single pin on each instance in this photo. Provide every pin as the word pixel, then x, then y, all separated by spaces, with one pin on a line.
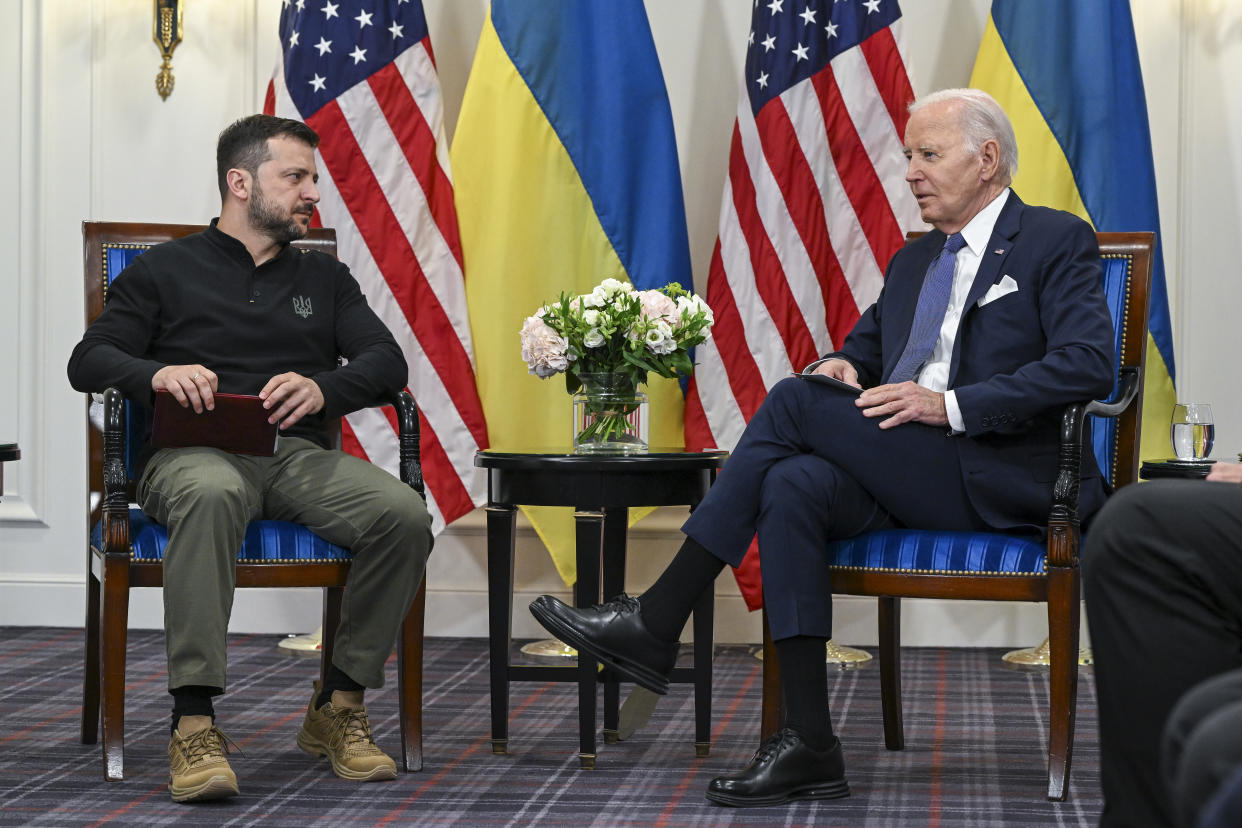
pixel 198 770
pixel 341 731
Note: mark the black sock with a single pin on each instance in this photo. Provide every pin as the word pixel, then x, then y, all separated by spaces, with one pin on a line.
pixel 335 679
pixel 193 700
pixel 669 601
pixel 804 688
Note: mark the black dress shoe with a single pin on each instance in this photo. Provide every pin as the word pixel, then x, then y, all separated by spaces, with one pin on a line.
pixel 614 635
pixel 785 768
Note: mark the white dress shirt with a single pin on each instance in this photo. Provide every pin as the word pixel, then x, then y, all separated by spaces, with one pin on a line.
pixel 935 373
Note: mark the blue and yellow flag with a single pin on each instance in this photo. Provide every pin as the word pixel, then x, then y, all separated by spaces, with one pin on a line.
pixel 1067 72
pixel 565 173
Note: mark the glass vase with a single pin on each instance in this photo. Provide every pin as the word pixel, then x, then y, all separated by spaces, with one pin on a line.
pixel 610 415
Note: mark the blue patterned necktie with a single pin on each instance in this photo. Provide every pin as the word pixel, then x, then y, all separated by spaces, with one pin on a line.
pixel 929 312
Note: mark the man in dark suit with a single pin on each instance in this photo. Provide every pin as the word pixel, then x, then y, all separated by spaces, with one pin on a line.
pixel 1162 570
pixel 986 328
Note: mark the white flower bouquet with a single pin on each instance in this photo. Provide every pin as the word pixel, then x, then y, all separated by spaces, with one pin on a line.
pixel 616 330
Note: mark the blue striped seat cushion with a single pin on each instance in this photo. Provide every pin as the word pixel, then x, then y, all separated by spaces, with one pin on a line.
pixel 912 550
pixel 267 541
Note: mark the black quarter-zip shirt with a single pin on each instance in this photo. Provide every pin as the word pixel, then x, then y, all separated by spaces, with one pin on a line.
pixel 201 299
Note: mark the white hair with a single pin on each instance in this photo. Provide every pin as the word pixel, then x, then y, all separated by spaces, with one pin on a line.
pixel 981 119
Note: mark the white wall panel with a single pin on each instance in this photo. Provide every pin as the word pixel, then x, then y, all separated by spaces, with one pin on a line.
pixel 1209 290
pixel 11 223
pixel 154 159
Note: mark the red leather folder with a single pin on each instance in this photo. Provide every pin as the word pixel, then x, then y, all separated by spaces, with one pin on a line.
pixel 237 424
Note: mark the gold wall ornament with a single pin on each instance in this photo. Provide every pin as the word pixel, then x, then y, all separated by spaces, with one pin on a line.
pixel 167 33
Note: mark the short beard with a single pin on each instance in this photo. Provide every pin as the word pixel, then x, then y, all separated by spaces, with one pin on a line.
pixel 265 217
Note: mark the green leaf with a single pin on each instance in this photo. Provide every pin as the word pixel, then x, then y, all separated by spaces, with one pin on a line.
pixel 681 362
pixel 637 359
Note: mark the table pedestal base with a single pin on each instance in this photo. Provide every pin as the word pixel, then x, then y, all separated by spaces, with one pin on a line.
pixel 618 483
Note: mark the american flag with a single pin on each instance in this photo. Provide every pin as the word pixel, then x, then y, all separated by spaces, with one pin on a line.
pixel 815 204
pixel 362 75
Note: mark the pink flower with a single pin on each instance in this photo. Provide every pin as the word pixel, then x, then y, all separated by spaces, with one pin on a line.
pixel 543 349
pixel 658 307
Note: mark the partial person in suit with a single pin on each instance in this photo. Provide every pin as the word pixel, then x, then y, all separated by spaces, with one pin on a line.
pixel 1201 752
pixel 985 329
pixel 236 309
pixel 1162 574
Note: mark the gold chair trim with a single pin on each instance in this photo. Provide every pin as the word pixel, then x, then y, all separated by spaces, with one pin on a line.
pixel 1123 358
pixel 1043 574
pixel 103 259
pixel 251 561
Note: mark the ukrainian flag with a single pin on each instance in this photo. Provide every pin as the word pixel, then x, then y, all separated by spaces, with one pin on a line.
pixel 1067 72
pixel 565 173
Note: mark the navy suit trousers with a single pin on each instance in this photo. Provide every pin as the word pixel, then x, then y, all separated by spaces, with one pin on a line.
pixel 1162 573
pixel 810 469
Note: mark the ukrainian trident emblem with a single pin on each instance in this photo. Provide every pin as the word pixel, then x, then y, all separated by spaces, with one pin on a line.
pixel 302 306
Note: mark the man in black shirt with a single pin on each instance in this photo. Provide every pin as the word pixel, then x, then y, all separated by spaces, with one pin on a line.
pixel 236 309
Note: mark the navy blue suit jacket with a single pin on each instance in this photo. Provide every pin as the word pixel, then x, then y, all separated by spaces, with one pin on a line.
pixel 1017 361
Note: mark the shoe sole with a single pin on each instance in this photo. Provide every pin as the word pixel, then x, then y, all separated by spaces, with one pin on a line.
pixel 834 790
pixel 638 673
pixel 216 787
pixel 316 748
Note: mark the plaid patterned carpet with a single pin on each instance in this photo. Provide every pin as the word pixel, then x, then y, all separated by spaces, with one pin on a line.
pixel 975 738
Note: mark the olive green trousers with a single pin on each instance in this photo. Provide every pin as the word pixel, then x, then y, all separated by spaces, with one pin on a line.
pixel 206 497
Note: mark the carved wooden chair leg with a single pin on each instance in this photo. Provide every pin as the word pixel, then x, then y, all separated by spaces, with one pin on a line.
pixel 770 719
pixel 331 620
pixel 890 672
pixel 1063 620
pixel 90 664
pixel 410 682
pixel 115 623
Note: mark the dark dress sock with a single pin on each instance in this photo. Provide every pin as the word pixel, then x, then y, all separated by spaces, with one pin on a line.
pixel 667 604
pixel 193 700
pixel 804 688
pixel 336 679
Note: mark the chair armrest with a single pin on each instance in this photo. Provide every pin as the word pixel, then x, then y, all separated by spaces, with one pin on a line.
pixel 115 506
pixel 1063 518
pixel 407 435
pixel 1129 375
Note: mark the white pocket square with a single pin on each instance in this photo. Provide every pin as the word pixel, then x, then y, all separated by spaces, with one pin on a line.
pixel 1004 287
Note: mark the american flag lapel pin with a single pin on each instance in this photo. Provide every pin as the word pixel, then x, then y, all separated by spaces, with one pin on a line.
pixel 999 251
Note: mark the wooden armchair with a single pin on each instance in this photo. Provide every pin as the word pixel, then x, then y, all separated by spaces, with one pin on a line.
pixel 125 548
pixel 893 564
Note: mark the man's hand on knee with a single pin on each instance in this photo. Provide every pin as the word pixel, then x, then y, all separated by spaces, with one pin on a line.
pixel 291 397
pixel 904 402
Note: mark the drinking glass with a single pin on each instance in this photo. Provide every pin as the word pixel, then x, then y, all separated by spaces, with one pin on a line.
pixel 1192 431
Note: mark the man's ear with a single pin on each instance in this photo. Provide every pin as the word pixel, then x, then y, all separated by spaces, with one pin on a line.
pixel 989 159
pixel 239 183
